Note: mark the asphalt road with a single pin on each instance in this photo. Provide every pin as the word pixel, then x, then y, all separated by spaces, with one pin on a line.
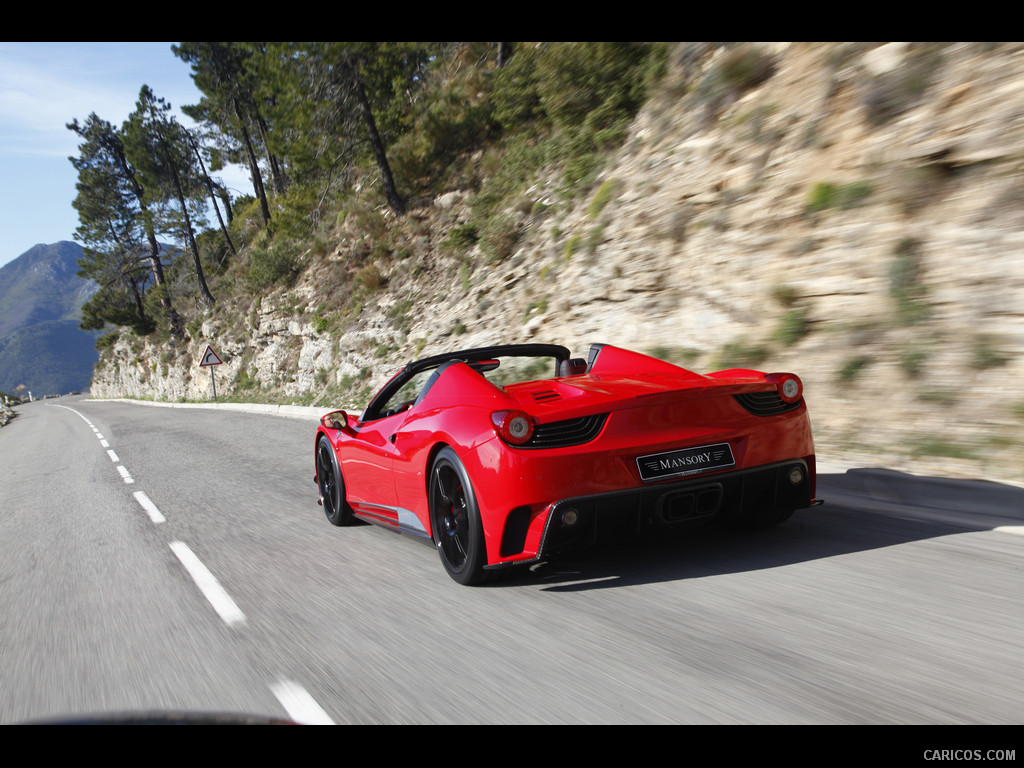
pixel 901 600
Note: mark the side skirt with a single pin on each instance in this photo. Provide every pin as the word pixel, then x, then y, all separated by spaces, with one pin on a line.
pixel 395 519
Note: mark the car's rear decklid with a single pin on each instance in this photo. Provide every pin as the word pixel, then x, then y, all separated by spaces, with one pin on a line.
pixel 577 396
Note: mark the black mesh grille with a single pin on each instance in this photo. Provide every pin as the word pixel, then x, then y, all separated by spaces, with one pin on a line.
pixel 765 403
pixel 558 434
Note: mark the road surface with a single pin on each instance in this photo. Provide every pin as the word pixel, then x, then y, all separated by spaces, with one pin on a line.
pixel 175 559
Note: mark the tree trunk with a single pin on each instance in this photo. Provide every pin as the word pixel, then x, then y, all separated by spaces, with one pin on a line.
pixel 277 178
pixel 136 295
pixel 390 191
pixel 254 168
pixel 191 236
pixel 504 54
pixel 156 266
pixel 213 197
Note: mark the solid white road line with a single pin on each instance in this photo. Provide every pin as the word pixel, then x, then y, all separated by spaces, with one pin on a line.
pixel 208 585
pixel 299 705
pixel 149 506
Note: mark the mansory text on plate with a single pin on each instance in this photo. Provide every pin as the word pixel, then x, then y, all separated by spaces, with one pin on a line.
pixel 504 455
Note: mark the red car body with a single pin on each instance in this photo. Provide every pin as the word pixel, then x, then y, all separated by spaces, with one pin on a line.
pixel 501 474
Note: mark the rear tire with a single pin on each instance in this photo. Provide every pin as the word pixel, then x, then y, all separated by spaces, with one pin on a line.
pixel 331 485
pixel 455 520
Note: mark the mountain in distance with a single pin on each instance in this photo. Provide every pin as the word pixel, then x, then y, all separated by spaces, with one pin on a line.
pixel 41 345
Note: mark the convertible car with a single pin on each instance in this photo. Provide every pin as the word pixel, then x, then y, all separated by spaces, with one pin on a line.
pixel 502 456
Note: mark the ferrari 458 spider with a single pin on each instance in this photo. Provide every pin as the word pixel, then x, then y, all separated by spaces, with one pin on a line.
pixel 504 455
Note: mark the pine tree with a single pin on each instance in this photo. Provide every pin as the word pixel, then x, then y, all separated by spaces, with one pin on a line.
pixel 116 223
pixel 160 150
pixel 226 75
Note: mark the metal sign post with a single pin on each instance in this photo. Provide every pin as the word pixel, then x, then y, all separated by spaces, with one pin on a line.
pixel 210 359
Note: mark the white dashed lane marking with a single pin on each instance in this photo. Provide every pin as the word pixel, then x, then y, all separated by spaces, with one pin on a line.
pixel 299 705
pixel 208 585
pixel 151 508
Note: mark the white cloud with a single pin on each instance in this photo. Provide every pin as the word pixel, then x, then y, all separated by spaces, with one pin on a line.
pixel 44 86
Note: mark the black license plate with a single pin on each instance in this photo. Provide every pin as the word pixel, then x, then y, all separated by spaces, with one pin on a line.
pixel 687 461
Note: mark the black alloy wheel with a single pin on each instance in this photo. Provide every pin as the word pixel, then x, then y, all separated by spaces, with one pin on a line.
pixel 331 484
pixel 455 519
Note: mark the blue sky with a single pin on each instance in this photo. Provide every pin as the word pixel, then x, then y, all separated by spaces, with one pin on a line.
pixel 43 86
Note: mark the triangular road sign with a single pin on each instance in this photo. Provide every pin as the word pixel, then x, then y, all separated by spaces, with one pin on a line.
pixel 210 357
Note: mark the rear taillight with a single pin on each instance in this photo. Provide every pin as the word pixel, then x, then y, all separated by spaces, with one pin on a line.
pixel 514 427
pixel 789 386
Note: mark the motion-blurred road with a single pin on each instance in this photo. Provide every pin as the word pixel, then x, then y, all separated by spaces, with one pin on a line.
pixel 901 600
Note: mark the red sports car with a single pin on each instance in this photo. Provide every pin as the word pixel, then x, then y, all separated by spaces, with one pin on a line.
pixel 504 455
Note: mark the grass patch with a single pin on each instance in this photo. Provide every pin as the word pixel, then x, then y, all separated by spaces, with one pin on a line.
pixel 321 323
pixel 107 340
pixel 912 359
pixel 683 356
pixel 244 382
pixel 602 197
pixel 937 446
pixel 986 354
pixel 540 306
pixel 741 68
pixel 499 237
pixel 795 325
pixel 399 313
pixel 943 397
pixel 786 295
pixel 275 263
pixel 892 93
pixel 905 282
pixel 461 238
pixel 825 195
pixel 371 278
pixel 572 246
pixel 852 369
pixel 739 355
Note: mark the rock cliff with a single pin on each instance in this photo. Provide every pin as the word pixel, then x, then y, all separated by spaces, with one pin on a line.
pixel 852 213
